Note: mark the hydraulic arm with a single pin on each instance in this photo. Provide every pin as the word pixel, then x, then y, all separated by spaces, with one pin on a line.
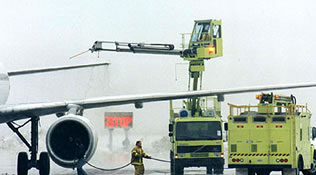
pixel 205 43
pixel 162 49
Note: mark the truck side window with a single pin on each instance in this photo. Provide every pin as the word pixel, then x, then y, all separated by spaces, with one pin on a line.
pixel 278 119
pixel 259 119
pixel 240 119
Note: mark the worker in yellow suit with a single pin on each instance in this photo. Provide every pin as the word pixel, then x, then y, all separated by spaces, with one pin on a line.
pixel 137 158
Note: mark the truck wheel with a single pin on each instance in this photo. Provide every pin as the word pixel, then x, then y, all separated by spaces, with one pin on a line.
pixel 300 164
pixel 172 167
pixel 219 169
pixel 209 170
pixel 312 171
pixel 251 171
pixel 290 171
pixel 242 171
pixel 178 169
pixel 263 172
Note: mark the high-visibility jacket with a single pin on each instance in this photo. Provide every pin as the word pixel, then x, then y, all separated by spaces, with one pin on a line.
pixel 137 156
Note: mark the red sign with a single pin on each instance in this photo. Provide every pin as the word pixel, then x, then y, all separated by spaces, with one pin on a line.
pixel 118 120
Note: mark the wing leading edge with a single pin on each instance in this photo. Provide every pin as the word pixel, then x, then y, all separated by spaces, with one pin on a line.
pixel 53 69
pixel 21 111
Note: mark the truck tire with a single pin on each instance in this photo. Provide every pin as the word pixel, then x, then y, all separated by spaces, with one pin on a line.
pixel 263 172
pixel 209 170
pixel 300 165
pixel 290 171
pixel 243 171
pixel 219 169
pixel 312 171
pixel 251 171
pixel 172 167
pixel 178 169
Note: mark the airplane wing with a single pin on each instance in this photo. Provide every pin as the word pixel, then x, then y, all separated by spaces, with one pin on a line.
pixel 51 69
pixel 10 113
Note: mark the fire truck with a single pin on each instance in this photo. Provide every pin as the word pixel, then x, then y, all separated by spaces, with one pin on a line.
pixel 197 141
pixel 274 135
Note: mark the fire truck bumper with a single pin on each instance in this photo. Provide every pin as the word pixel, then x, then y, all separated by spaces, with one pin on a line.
pixel 200 162
pixel 271 167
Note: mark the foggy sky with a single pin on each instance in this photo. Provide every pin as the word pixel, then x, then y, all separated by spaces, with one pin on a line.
pixel 265 43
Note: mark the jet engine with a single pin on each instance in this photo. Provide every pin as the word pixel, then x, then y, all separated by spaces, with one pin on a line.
pixel 67 137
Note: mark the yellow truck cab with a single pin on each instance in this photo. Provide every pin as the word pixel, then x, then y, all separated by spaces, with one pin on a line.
pixel 274 135
pixel 196 141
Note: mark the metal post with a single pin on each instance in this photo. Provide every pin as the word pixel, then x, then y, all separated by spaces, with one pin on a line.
pixel 126 141
pixel 111 138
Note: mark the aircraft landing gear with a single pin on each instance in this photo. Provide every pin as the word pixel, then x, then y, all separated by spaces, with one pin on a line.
pixel 24 164
pixel 44 164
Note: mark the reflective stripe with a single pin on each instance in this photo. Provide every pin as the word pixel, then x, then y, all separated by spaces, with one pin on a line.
pixel 259 154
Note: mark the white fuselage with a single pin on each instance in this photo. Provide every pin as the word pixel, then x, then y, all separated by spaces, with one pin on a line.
pixel 4 85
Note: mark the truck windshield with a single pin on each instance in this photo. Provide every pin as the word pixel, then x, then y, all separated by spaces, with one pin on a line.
pixel 201 32
pixel 199 130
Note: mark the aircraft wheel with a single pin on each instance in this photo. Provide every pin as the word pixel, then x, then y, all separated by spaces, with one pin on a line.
pixel 44 164
pixel 22 163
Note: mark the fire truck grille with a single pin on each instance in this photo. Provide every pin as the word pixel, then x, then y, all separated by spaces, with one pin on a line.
pixel 199 154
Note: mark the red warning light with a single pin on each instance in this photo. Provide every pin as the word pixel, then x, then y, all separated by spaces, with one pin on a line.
pixel 211 49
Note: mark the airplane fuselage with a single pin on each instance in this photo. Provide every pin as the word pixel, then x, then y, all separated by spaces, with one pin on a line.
pixel 4 85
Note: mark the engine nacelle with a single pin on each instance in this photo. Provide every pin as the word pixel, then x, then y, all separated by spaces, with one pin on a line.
pixel 64 136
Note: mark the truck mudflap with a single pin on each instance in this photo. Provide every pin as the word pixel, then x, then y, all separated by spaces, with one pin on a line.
pixel 200 162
